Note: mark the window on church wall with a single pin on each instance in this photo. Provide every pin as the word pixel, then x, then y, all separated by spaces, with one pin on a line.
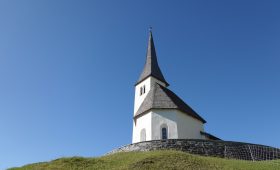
pixel 164 133
pixel 142 90
pixel 143 135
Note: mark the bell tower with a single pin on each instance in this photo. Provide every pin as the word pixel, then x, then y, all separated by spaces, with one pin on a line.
pixel 150 76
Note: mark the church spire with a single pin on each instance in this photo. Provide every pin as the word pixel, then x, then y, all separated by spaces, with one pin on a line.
pixel 151 67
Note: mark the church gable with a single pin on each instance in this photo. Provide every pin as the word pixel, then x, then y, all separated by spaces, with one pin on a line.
pixel 160 97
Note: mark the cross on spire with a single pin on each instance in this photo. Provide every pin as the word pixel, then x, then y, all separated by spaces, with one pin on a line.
pixel 150 28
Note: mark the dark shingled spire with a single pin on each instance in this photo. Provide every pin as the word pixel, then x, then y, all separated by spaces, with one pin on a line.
pixel 151 67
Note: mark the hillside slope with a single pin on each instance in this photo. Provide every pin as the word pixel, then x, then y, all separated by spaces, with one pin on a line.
pixel 151 160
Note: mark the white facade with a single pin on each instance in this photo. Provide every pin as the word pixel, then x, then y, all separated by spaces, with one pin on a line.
pixel 149 126
pixel 179 125
pixel 142 123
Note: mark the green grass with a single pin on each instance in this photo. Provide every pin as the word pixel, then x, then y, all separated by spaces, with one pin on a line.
pixel 151 160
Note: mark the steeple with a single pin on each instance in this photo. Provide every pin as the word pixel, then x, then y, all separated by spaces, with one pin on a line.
pixel 151 67
pixel 158 112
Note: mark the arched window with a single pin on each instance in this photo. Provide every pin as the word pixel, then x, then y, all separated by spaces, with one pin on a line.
pixel 143 135
pixel 141 91
pixel 164 133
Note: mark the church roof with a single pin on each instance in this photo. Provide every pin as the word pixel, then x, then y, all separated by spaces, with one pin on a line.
pixel 151 67
pixel 209 136
pixel 160 97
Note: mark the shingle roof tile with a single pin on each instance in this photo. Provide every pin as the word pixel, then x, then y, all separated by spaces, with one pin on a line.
pixel 151 67
pixel 160 97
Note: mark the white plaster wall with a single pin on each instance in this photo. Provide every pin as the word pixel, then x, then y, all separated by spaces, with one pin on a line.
pixel 141 122
pixel 139 99
pixel 148 84
pixel 164 117
pixel 179 125
pixel 144 121
pixel 189 127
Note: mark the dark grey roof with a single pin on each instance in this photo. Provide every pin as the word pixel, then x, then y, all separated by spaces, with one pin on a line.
pixel 160 97
pixel 151 67
pixel 211 137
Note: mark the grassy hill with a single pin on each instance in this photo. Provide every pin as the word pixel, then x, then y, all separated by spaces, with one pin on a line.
pixel 151 160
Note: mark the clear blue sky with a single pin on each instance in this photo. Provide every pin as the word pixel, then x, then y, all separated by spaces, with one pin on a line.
pixel 68 68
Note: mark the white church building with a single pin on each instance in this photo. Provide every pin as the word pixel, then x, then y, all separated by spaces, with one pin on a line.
pixel 159 113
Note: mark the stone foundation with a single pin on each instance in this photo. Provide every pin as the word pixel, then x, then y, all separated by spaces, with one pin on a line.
pixel 222 149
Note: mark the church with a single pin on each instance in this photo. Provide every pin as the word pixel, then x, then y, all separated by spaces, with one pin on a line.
pixel 162 120
pixel 159 114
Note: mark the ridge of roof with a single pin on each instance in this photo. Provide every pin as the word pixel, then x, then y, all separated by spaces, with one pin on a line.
pixel 160 97
pixel 151 67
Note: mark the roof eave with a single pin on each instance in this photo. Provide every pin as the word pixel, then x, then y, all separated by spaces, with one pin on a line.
pixel 141 114
pixel 210 136
pixel 197 117
pixel 138 82
pixel 146 111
